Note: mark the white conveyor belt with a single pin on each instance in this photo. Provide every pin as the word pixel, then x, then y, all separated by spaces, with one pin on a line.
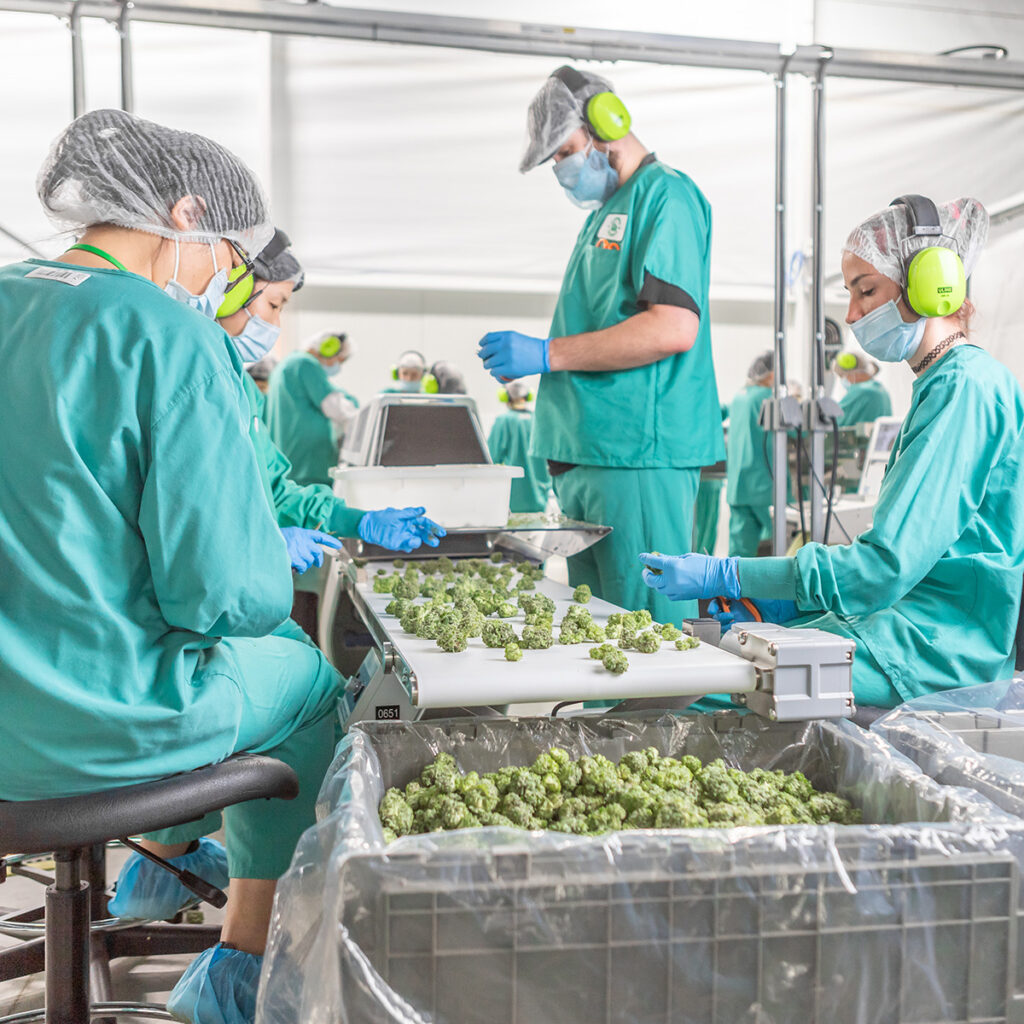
pixel 481 675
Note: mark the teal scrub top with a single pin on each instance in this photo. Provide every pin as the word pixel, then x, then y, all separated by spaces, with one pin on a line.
pixel 649 244
pixel 748 473
pixel 314 506
pixel 509 443
pixel 864 403
pixel 134 532
pixel 933 589
pixel 297 425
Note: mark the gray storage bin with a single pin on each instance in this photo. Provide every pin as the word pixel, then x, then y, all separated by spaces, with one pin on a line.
pixel 913 917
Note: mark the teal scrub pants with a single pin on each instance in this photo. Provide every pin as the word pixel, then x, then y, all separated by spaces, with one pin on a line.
pixel 748 526
pixel 705 516
pixel 648 510
pixel 290 693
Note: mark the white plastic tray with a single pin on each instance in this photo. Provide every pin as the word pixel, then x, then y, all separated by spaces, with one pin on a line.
pixel 481 675
pixel 455 496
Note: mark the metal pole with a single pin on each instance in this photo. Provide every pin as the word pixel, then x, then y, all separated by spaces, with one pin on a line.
pixel 818 307
pixel 780 466
pixel 127 78
pixel 77 61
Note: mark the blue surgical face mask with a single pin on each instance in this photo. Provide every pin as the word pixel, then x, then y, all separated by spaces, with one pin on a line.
pixel 213 295
pixel 588 178
pixel 884 334
pixel 409 385
pixel 256 338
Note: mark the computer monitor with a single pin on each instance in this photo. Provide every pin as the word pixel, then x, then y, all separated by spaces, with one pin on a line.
pixel 884 433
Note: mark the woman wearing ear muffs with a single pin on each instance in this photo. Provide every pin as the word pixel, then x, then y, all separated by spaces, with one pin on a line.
pixel 932 591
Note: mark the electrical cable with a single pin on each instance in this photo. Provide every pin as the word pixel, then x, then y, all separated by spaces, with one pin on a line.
pixel 800 482
pixel 849 539
pixel 832 483
pixel 563 704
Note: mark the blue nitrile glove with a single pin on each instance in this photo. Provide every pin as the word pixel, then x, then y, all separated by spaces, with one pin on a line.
pixel 304 546
pixel 145 890
pixel 219 987
pixel 692 577
pixel 509 354
pixel 771 611
pixel 401 529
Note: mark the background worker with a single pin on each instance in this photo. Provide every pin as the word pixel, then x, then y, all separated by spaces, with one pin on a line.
pixel 307 412
pixel 748 461
pixel 866 398
pixel 509 443
pixel 407 374
pixel 627 408
pixel 931 592
pixel 142 568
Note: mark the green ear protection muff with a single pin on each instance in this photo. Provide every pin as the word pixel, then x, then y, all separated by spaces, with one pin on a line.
pixel 936 284
pixel 239 290
pixel 430 384
pixel 407 352
pixel 607 116
pixel 331 346
pixel 503 395
pixel 242 279
pixel 846 361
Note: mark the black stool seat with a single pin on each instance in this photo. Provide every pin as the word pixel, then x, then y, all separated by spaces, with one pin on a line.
pixel 78 822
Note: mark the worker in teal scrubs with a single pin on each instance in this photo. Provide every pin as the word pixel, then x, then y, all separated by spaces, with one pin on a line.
pixel 866 398
pixel 143 571
pixel 749 461
pixel 627 409
pixel 408 374
pixel 303 510
pixel 931 592
pixel 509 444
pixel 307 412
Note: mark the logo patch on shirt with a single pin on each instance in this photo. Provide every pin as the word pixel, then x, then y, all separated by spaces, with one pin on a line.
pixel 613 227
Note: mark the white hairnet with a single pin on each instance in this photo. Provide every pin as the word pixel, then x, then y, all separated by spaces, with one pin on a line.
pixel 412 360
pixel 260 370
pixel 111 167
pixel 882 238
pixel 555 113
pixel 449 378
pixel 517 389
pixel 762 366
pixel 854 362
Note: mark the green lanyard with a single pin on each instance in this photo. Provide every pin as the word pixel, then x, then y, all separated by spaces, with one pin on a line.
pixel 102 255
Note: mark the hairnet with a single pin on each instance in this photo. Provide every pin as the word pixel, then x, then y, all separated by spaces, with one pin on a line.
pixel 411 360
pixel 449 378
pixel 111 167
pixel 283 267
pixel 554 114
pixel 762 366
pixel 879 239
pixel 852 362
pixel 516 390
pixel 260 370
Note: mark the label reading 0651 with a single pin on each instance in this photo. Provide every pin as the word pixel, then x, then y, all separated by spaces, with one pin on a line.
pixel 387 712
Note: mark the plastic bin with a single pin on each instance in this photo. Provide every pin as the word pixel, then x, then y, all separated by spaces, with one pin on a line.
pixel 874 924
pixel 455 496
pixel 969 737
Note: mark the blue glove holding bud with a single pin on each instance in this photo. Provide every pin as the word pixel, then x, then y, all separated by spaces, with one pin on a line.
pixel 508 355
pixel 304 546
pixel 771 611
pixel 690 577
pixel 401 529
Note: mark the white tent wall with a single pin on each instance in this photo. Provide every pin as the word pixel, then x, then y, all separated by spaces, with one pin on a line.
pixel 394 167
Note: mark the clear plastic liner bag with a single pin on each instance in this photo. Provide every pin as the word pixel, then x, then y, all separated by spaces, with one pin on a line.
pixel 912 916
pixel 972 737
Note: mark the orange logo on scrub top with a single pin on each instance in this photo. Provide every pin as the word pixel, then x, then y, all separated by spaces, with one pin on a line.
pixel 604 243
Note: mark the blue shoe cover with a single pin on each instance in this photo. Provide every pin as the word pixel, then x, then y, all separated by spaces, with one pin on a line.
pixel 219 987
pixel 145 890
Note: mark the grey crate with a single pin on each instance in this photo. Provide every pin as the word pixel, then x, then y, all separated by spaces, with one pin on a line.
pixel 670 934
